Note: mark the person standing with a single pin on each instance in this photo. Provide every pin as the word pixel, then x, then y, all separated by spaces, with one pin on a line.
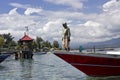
pixel 66 37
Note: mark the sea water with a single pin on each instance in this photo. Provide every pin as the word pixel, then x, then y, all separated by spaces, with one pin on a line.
pixel 42 67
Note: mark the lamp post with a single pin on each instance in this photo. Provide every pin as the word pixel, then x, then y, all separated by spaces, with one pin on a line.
pixel 27 29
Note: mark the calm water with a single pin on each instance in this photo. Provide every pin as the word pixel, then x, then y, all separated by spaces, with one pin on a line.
pixel 42 67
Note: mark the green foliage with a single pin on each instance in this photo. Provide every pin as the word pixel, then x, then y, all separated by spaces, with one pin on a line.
pixel 46 44
pixel 1 41
pixel 17 47
pixel 55 44
pixel 8 40
pixel 34 44
pixel 39 41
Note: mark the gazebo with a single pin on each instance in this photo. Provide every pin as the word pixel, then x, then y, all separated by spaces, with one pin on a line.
pixel 26 38
pixel 26 47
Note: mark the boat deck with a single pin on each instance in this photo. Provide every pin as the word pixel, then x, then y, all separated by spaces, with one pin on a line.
pixel 89 54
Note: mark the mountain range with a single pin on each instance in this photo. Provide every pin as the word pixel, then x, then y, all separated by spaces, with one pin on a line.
pixel 109 43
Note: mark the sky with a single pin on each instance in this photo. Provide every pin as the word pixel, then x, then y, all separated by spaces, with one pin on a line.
pixel 88 20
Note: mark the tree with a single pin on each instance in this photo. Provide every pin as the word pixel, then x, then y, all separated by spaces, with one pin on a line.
pixel 8 39
pixel 39 41
pixel 12 44
pixel 47 44
pixel 55 44
pixel 34 45
pixel 1 41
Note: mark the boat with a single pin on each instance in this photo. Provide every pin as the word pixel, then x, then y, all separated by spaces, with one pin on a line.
pixel 93 64
pixel 3 57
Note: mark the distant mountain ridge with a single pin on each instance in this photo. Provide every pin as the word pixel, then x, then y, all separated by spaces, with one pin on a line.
pixel 109 43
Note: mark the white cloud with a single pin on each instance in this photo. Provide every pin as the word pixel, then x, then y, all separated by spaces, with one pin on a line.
pixel 110 17
pixel 53 28
pixel 13 12
pixel 29 10
pixel 14 23
pixel 32 10
pixel 89 31
pixel 111 5
pixel 18 5
pixel 94 29
pixel 76 4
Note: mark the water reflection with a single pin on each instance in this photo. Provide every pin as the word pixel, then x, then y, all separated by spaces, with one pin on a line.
pixel 26 68
pixel 1 67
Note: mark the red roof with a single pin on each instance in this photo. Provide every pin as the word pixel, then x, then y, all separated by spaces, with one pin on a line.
pixel 26 38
